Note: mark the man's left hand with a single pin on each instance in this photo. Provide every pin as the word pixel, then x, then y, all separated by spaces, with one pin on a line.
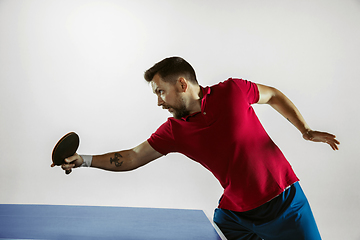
pixel 324 137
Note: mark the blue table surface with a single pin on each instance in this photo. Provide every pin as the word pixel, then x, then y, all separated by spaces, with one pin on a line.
pixel 19 221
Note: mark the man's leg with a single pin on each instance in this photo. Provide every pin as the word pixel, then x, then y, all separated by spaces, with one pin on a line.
pixel 293 219
pixel 296 222
pixel 233 227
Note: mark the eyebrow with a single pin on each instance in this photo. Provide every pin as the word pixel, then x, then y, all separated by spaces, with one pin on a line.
pixel 156 90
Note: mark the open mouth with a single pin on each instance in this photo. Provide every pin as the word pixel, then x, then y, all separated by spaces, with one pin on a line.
pixel 170 109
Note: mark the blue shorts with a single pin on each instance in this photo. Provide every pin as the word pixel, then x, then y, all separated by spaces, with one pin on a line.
pixel 288 216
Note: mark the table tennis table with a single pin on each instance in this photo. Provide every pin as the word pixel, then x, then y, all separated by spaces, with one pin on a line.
pixel 19 221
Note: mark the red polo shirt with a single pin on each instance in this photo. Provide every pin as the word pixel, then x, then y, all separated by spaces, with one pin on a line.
pixel 227 138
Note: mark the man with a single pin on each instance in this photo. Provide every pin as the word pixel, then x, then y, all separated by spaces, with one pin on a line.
pixel 217 127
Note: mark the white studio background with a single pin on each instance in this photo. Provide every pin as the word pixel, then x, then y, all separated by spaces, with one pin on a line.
pixel 78 66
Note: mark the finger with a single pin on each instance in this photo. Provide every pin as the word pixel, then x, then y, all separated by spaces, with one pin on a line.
pixel 322 135
pixel 67 166
pixel 52 165
pixel 333 145
pixel 328 135
pixel 332 139
pixel 72 158
pixel 68 172
pixel 336 147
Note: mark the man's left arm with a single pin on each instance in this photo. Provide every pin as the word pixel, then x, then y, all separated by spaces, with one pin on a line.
pixel 282 104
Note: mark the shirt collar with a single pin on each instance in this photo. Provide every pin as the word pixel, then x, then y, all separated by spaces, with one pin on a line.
pixel 205 92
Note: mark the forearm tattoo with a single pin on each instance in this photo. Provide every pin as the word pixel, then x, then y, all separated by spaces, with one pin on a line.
pixel 116 160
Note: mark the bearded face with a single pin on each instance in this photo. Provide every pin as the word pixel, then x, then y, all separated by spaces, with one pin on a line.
pixel 178 110
pixel 169 97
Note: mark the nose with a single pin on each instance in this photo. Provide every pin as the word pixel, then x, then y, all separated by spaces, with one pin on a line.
pixel 160 101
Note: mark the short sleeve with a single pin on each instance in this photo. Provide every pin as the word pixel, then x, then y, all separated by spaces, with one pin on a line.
pixel 162 140
pixel 249 89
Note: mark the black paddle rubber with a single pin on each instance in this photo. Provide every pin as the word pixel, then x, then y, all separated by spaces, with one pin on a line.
pixel 65 147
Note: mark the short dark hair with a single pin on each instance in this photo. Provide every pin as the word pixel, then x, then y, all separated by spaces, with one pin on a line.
pixel 170 67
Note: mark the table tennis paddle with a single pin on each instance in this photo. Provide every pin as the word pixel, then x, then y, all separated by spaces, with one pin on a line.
pixel 65 147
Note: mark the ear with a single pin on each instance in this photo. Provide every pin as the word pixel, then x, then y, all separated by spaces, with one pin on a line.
pixel 182 84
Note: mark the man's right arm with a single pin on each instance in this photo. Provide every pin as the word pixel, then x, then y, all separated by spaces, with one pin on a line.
pixel 125 160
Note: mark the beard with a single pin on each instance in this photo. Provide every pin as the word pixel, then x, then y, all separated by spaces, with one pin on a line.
pixel 179 111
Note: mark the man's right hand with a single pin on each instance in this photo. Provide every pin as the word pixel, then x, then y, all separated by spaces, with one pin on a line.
pixel 70 163
pixel 125 160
